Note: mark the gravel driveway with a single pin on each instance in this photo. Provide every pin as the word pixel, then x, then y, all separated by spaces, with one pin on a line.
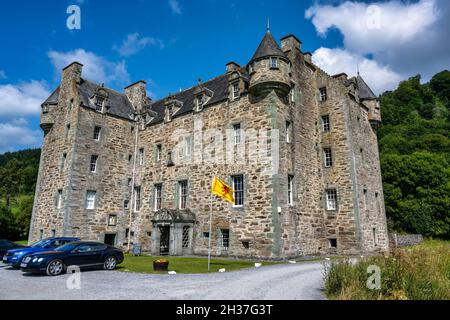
pixel 287 281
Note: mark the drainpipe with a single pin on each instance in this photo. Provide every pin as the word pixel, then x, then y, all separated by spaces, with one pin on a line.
pixel 132 200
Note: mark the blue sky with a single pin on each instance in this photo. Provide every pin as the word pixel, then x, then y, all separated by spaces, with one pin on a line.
pixel 172 43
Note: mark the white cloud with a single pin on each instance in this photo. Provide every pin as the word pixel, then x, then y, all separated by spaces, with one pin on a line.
pixel 132 44
pixel 175 6
pixel 22 99
pixel 371 28
pixel 378 77
pixel 400 38
pixel 14 137
pixel 95 68
pixel 2 75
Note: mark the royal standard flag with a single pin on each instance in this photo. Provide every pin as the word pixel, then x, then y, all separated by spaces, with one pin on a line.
pixel 223 190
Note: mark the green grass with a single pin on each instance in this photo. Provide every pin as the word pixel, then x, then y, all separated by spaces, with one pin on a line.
pixel 22 242
pixel 413 273
pixel 144 264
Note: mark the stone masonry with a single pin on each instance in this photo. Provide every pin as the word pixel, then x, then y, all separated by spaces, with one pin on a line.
pixel 299 147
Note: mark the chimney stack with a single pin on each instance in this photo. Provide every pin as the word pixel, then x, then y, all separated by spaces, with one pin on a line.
pixel 137 94
pixel 232 66
pixel 290 43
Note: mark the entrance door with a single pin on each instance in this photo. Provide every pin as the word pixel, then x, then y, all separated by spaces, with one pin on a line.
pixel 110 239
pixel 164 240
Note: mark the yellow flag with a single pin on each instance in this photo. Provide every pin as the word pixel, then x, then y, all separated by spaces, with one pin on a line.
pixel 223 190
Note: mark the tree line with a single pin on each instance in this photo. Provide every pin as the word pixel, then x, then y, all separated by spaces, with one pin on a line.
pixel 414 143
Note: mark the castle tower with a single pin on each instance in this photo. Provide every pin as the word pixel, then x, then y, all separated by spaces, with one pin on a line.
pixel 269 69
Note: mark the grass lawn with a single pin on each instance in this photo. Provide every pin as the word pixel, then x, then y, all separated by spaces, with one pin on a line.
pixel 22 242
pixel 144 264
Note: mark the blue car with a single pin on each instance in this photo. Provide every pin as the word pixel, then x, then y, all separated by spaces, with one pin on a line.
pixel 14 257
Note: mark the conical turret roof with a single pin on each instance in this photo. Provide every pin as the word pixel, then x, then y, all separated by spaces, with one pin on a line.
pixel 268 47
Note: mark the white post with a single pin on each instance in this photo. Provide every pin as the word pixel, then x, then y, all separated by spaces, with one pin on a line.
pixel 210 227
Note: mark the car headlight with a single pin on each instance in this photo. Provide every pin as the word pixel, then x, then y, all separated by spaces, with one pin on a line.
pixel 36 259
pixel 16 254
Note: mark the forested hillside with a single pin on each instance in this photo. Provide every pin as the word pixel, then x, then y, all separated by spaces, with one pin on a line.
pixel 414 150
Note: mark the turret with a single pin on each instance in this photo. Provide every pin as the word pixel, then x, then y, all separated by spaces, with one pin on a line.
pixel 370 100
pixel 269 69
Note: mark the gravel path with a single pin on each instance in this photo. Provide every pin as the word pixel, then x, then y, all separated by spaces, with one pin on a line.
pixel 288 281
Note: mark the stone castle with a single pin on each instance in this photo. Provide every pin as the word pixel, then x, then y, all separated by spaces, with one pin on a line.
pixel 123 169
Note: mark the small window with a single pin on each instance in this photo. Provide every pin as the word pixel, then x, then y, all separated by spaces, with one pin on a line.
pixel 41 234
pixel 237 133
pixel 54 234
pixel 361 152
pixel 274 63
pixel 236 90
pixel 112 220
pixel 366 199
pixel 141 156
pixel 290 190
pixel 288 132
pixel 63 161
pixel 158 152
pixel 90 199
pixel 67 131
pixel 182 193
pixel 59 199
pixel 332 243
pixel 99 102
pixel 225 239
pixel 126 204
pixel 331 200
pixel 158 197
pixel 186 243
pixel 246 244
pixel 129 182
pixel 326 123
pixel 205 234
pixel 374 235
pixel 137 199
pixel 93 165
pixel 187 146
pixel 200 102
pixel 130 157
pixel 238 187
pixel 292 93
pixel 97 132
pixel 327 157
pixel 323 94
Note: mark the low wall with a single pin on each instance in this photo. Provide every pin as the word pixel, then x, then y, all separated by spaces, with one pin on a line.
pixel 404 240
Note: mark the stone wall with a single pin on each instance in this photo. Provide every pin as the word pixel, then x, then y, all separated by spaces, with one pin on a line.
pixel 405 240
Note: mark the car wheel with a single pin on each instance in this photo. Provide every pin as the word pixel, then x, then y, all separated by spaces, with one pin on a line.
pixel 110 263
pixel 55 267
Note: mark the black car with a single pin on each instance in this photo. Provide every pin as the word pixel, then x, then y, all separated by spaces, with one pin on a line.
pixel 6 245
pixel 81 254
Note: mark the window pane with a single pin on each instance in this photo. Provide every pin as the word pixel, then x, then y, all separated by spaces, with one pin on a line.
pixel 237 133
pixel 331 200
pixel 238 186
pixel 93 165
pixel 137 199
pixel 186 238
pixel 182 189
pixel 225 238
pixel 90 199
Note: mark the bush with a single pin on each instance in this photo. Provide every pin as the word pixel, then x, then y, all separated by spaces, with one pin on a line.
pixel 421 273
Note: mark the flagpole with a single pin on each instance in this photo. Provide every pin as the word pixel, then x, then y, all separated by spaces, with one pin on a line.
pixel 210 228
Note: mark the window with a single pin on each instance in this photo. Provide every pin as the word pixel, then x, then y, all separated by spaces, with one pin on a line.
pixel 374 235
pixel 366 199
pixel 97 131
pixel 205 234
pixel 137 199
pixel 99 101
pixel 41 234
pixel 288 132
pixel 332 243
pixel 158 152
pixel 237 134
pixel 292 93
pixel 238 187
pixel 93 166
pixel 200 102
pixel 290 190
pixel 90 199
pixel 126 204
pixel 323 94
pixel 274 63
pixel 63 161
pixel 331 200
pixel 129 182
pixel 59 199
pixel 158 197
pixel 185 239
pixel 130 157
pixel 327 157
pixel 361 152
pixel 54 233
pixel 66 134
pixel 326 123
pixel 182 193
pixel 187 146
pixel 225 238
pixel 236 90
pixel 112 220
pixel 141 156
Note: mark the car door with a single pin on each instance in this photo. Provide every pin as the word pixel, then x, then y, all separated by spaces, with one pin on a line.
pixel 84 255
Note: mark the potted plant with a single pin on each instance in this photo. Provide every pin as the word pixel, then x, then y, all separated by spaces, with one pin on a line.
pixel 160 265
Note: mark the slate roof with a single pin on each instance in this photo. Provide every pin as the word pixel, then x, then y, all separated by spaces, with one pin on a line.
pixel 53 99
pixel 268 47
pixel 365 93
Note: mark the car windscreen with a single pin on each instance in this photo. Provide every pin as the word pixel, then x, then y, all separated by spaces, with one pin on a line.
pixel 41 244
pixel 67 247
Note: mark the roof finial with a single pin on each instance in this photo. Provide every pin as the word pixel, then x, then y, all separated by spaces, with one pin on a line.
pixel 357 68
pixel 268 24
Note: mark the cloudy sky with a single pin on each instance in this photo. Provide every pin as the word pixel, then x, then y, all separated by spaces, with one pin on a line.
pixel 172 43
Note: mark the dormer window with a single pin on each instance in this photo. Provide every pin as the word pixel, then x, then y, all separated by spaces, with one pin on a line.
pixel 274 63
pixel 236 90
pixel 200 102
pixel 99 102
